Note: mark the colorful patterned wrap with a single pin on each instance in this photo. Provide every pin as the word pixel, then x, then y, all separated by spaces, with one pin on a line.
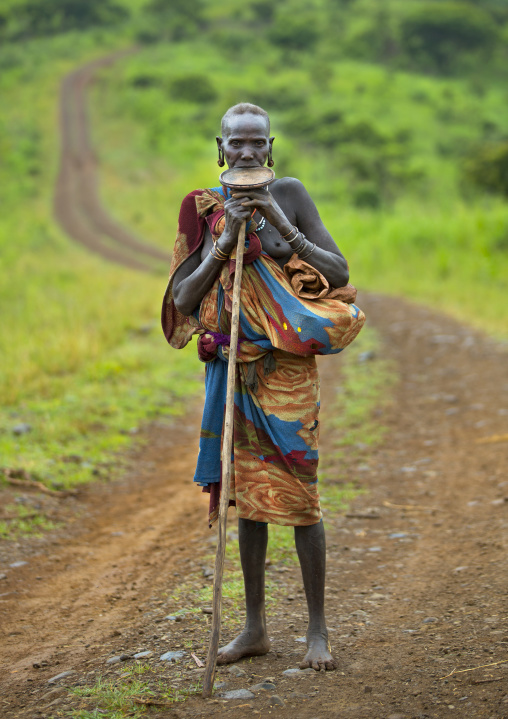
pixel 276 430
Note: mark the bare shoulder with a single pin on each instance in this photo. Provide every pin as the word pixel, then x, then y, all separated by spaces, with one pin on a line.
pixel 290 191
pixel 288 185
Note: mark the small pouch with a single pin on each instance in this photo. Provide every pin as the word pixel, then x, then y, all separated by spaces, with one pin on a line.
pixel 308 283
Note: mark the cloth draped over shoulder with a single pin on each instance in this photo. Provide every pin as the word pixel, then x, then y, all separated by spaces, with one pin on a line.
pixel 287 317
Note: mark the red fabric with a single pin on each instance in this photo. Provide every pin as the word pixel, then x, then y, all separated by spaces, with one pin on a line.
pixel 199 208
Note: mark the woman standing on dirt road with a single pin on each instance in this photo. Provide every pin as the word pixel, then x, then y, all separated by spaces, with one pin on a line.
pixel 295 303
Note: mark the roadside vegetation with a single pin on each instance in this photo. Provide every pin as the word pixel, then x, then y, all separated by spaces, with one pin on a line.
pixel 393 114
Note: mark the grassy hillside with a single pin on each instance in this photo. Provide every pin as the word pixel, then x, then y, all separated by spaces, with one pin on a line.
pixel 392 113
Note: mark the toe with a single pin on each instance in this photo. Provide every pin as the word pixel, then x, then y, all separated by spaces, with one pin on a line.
pixel 330 665
pixel 305 664
pixel 315 665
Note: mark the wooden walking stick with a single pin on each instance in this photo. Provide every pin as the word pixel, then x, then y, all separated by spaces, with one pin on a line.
pixel 240 179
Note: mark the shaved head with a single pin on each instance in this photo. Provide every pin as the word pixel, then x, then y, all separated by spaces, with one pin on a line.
pixel 243 108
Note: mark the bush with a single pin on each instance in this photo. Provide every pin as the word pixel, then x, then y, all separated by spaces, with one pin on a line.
pixel 35 19
pixel 172 20
pixel 436 37
pixel 193 88
pixel 487 167
pixel 295 31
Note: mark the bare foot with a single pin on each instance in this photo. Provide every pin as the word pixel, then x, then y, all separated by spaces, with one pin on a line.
pixel 246 644
pixel 318 654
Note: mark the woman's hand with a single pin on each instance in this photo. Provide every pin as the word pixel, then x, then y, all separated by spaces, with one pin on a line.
pixel 235 213
pixel 263 201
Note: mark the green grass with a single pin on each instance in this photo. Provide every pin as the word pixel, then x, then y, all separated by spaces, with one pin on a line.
pixel 365 387
pixel 23 521
pixel 116 699
pixel 84 362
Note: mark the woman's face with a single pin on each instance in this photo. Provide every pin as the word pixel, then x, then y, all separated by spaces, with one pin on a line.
pixel 246 142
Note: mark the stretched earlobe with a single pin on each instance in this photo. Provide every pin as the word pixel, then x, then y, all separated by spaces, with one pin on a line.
pixel 270 161
pixel 221 162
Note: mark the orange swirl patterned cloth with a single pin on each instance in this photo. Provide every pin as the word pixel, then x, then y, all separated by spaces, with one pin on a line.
pixel 276 428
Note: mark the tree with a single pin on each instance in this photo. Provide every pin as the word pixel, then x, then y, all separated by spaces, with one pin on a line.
pixel 33 18
pixel 487 167
pixel 437 36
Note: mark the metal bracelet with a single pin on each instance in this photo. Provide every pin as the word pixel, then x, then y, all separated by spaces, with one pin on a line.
pixel 304 257
pixel 216 247
pixel 300 236
pixel 293 229
pixel 221 259
pixel 300 247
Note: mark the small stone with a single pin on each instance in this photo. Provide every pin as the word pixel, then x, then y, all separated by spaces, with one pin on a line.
pixel 374 549
pixel 430 620
pixel 300 639
pixel 53 693
pixel 3 576
pixel 275 700
pixel 207 572
pixel 143 655
pixel 294 672
pixel 21 428
pixel 397 535
pixel 290 598
pixel 54 703
pixel 238 694
pixel 397 716
pixel 113 660
pixel 15 565
pixel 263 687
pixel 297 695
pixel 236 671
pixel 367 690
pixel 62 675
pixel 207 610
pixel 171 656
pixel 366 356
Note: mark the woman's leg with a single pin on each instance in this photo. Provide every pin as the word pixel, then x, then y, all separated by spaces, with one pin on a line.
pixel 253 640
pixel 311 547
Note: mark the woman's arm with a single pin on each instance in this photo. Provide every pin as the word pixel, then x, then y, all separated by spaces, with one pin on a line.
pixel 326 257
pixel 197 274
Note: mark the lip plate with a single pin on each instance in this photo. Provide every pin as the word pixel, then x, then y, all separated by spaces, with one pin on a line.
pixel 247 177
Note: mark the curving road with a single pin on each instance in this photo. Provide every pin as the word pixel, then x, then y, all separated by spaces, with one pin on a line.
pixel 77 203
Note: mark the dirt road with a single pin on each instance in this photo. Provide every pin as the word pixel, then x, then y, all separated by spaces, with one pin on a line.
pixel 416 574
pixel 77 204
